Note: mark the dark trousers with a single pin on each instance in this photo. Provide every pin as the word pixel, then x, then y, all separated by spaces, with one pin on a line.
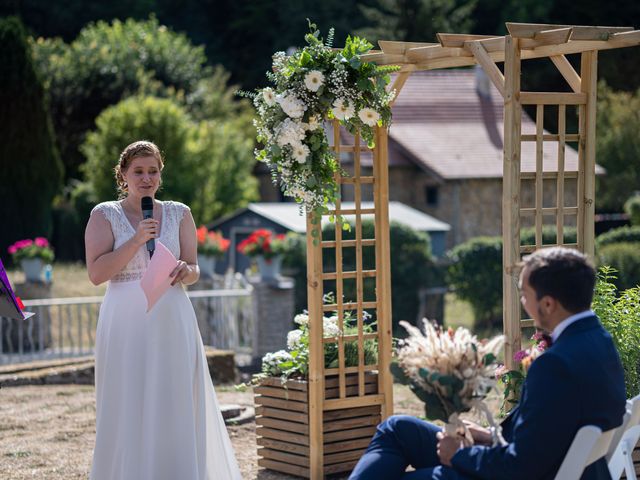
pixel 401 441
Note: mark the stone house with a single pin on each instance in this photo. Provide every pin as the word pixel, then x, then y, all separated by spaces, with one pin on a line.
pixel 446 154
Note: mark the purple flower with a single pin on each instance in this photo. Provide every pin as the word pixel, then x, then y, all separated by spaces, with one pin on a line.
pixel 537 336
pixel 521 355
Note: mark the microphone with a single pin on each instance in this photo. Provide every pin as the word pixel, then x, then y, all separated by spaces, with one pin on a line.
pixel 147 212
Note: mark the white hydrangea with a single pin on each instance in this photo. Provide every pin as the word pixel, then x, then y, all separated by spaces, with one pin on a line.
pixel 293 339
pixel 342 110
pixel 291 105
pixel 330 326
pixel 369 116
pixel 301 319
pixel 300 152
pixel 269 96
pixel 314 80
pixel 290 133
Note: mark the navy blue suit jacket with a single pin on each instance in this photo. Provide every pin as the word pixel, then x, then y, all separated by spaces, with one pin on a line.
pixel 578 381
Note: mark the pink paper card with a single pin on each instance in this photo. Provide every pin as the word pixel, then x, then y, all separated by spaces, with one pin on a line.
pixel 156 280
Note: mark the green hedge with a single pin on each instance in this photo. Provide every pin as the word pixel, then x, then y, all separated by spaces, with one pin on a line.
pixel 619 235
pixel 632 208
pixel 625 259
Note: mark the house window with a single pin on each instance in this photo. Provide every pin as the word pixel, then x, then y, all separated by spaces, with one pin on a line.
pixel 431 196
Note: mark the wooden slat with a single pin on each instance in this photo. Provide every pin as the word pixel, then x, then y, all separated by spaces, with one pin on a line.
pixel 283 446
pixel 539 181
pixel 359 443
pixel 580 32
pixel 459 39
pixel 331 307
pixel 527 323
pixel 362 432
pixel 334 275
pixel 357 196
pixel 350 379
pixel 567 71
pixel 334 415
pixel 341 457
pixel 289 384
pixel 282 414
pixel 283 404
pixel 554 36
pixel 587 154
pixel 488 65
pixel 281 393
pixel 422 54
pixel 361 180
pixel 547 175
pixel 532 248
pixel 398 83
pixel 339 274
pixel 348 423
pixel 400 48
pixel 348 243
pixel 340 467
pixel 382 58
pixel 550 137
pixel 354 402
pixel 347 338
pixel 359 390
pixel 274 423
pixel 562 120
pixel 351 148
pixel 282 436
pixel 552 98
pixel 284 467
pixel 511 201
pixel 548 211
pixel 352 211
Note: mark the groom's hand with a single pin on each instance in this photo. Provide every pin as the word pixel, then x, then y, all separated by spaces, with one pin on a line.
pixel 480 435
pixel 447 447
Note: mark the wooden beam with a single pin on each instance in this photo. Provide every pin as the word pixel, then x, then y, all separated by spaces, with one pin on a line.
pixel 580 32
pixel 422 54
pixel 458 39
pixel 552 98
pixel 546 37
pixel 488 65
pixel 511 201
pixel 383 58
pixel 400 48
pixel 399 82
pixel 567 71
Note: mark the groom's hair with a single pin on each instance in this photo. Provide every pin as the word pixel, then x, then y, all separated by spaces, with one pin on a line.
pixel 564 274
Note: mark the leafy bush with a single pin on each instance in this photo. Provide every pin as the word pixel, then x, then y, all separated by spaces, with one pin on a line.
pixel 620 315
pixel 29 163
pixel 632 208
pixel 412 268
pixel 625 259
pixel 619 235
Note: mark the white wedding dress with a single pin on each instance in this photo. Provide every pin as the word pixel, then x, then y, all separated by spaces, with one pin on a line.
pixel 157 416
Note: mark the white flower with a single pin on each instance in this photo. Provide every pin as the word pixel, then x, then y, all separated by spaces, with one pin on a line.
pixel 291 105
pixel 301 319
pixel 269 96
pixel 313 124
pixel 369 116
pixel 314 80
pixel 293 339
pixel 300 152
pixel 290 133
pixel 330 326
pixel 342 110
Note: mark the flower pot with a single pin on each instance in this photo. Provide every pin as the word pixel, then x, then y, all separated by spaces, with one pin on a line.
pixel 282 421
pixel 207 264
pixel 33 269
pixel 269 268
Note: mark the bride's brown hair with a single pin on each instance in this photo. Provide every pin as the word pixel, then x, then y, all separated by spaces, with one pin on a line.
pixel 141 148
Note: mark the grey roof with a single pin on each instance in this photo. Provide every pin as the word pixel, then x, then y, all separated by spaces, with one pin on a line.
pixel 288 215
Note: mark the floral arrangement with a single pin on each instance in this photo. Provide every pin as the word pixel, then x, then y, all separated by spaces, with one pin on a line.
pixel 294 361
pixel 211 243
pixel 512 380
pixel 451 371
pixel 263 242
pixel 316 83
pixel 37 248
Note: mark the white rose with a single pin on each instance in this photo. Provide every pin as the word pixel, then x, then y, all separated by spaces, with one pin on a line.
pixel 291 105
pixel 314 80
pixel 269 96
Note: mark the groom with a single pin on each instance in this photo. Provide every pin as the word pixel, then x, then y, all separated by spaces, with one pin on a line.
pixel 578 381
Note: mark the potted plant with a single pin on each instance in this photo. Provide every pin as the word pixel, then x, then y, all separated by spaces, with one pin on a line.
pixel 211 245
pixel 32 255
pixel 267 249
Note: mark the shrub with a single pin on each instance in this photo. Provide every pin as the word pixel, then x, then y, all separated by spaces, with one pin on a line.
pixel 619 235
pixel 625 259
pixel 29 163
pixel 632 208
pixel 620 315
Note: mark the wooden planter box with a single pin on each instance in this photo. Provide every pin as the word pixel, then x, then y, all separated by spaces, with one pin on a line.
pixel 282 425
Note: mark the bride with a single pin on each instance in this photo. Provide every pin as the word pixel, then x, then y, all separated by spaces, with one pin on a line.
pixel 157 416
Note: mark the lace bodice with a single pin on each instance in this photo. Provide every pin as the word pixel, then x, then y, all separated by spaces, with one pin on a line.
pixel 172 213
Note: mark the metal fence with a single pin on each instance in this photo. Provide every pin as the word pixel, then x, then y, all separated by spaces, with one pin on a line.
pixel 65 327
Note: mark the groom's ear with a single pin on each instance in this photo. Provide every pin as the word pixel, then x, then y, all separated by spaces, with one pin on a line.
pixel 548 304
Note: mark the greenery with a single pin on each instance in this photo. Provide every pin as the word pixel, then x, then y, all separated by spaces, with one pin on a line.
pixel 29 162
pixel 619 312
pixel 619 235
pixel 309 86
pixel 206 166
pixel 412 268
pixel 624 257
pixel 632 208
pixel 618 146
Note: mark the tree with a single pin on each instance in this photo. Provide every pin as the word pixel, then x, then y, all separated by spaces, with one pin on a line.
pixel 29 162
pixel 618 147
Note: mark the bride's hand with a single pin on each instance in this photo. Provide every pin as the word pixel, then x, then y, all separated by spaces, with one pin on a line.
pixel 147 229
pixel 180 272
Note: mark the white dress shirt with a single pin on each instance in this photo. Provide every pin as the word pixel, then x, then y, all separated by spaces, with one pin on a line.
pixel 561 327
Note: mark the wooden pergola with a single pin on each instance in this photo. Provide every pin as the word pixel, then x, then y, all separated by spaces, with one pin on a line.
pixel 361 396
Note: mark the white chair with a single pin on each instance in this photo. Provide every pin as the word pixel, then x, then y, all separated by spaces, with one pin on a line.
pixel 620 453
pixel 589 445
